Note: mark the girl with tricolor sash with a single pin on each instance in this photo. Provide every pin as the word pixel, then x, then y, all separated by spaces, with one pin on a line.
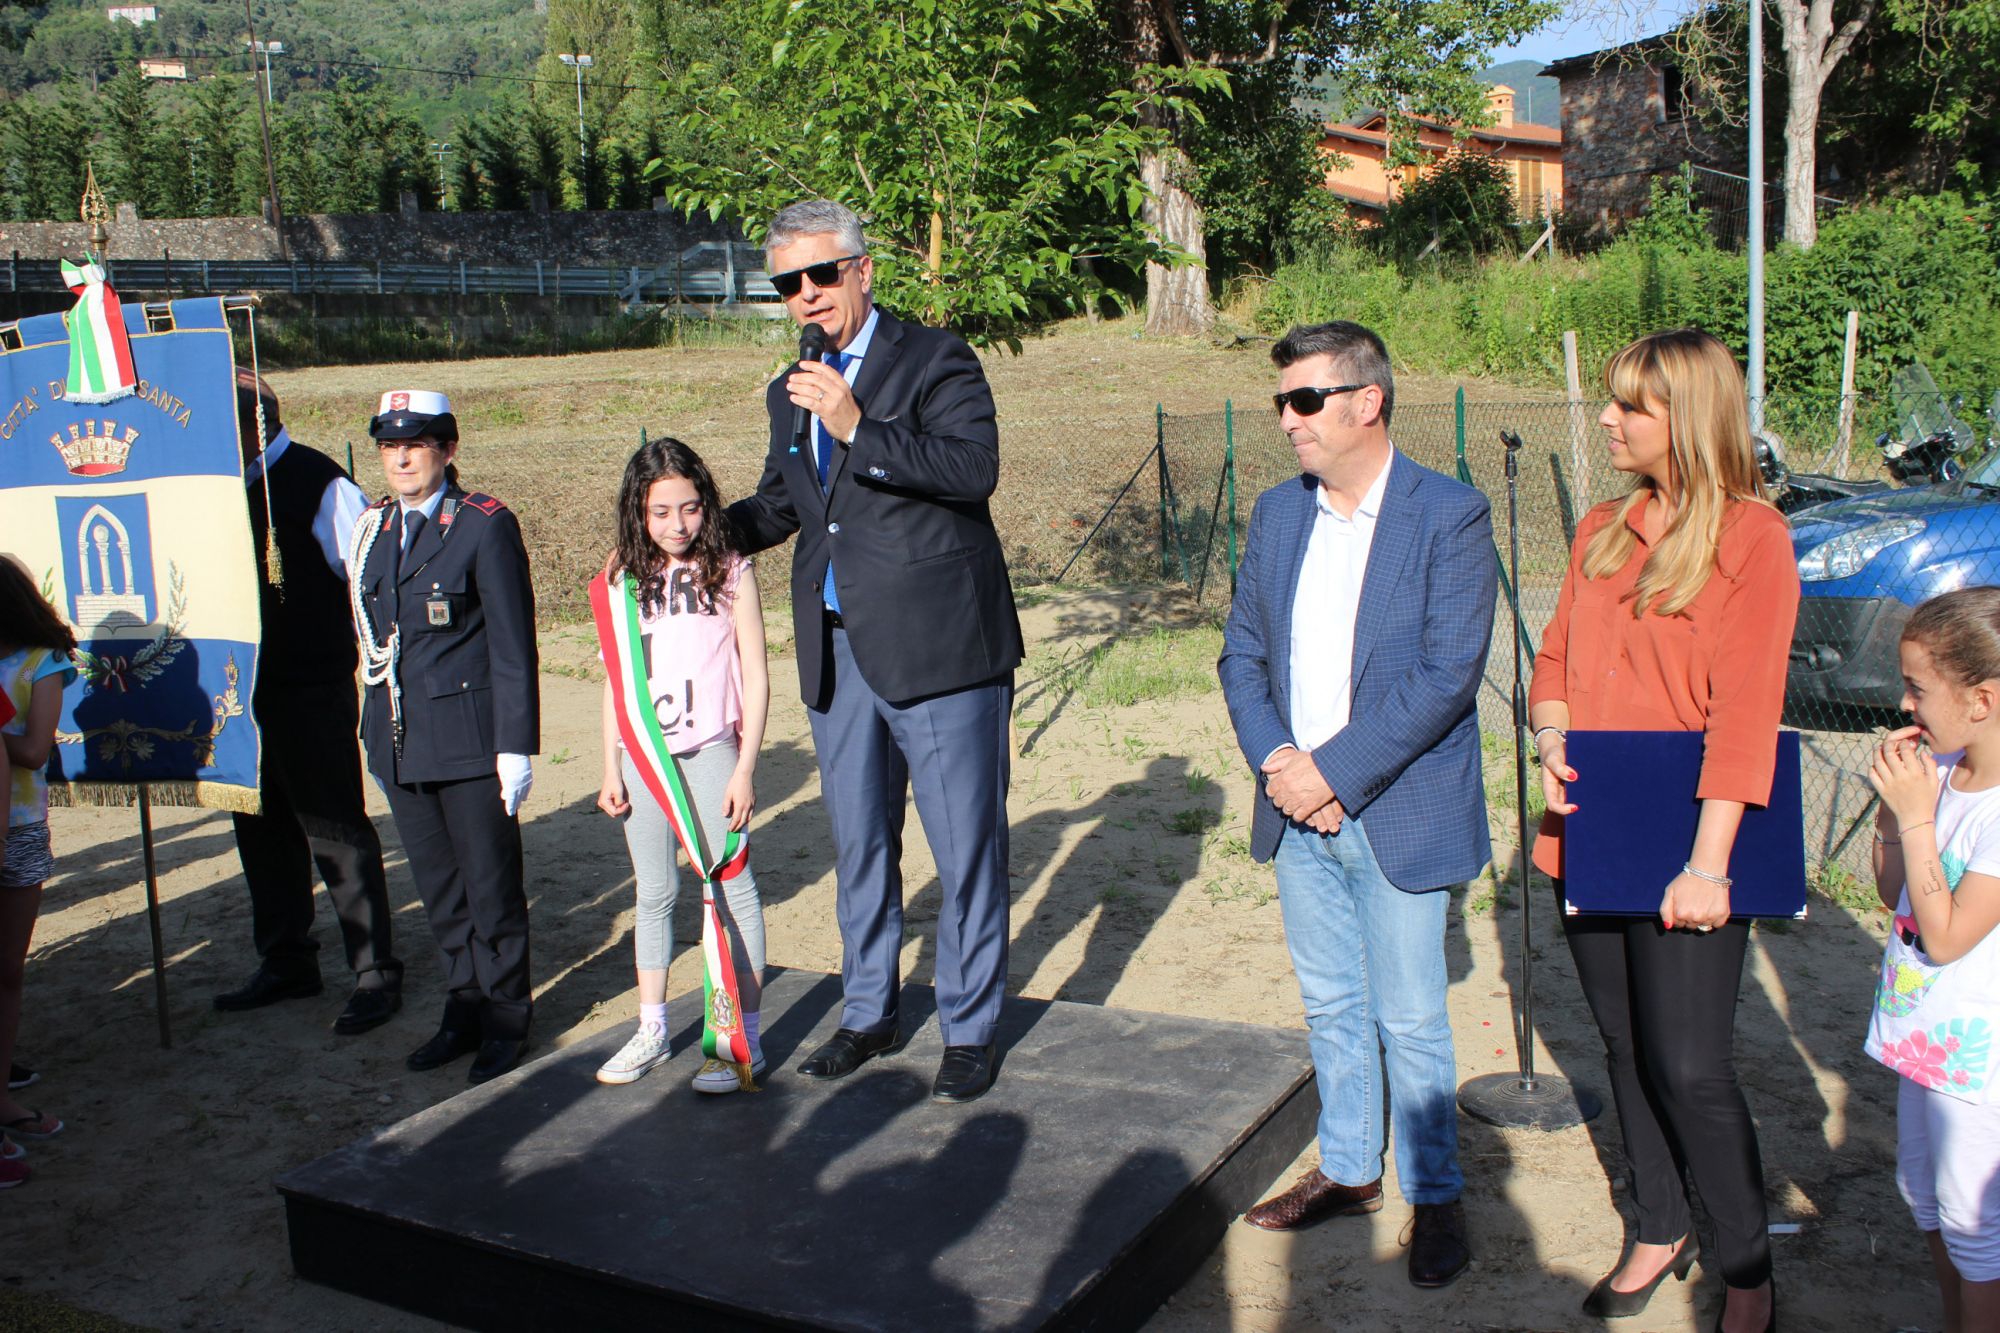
pixel 686 695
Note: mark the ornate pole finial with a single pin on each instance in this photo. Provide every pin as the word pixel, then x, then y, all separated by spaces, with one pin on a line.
pixel 95 211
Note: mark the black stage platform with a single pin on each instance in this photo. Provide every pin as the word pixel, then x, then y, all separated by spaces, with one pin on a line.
pixel 1080 1192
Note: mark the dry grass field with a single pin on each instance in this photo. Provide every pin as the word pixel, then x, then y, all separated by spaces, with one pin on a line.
pixel 550 435
pixel 1132 888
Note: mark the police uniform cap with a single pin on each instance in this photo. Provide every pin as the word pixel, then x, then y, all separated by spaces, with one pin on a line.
pixel 405 414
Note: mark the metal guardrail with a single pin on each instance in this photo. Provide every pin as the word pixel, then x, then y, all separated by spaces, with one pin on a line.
pixel 710 273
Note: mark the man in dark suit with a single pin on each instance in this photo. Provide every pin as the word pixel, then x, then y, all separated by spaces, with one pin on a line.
pixel 306 710
pixel 1351 661
pixel 447 621
pixel 906 632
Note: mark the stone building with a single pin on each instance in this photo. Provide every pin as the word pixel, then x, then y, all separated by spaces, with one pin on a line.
pixel 1359 171
pixel 1628 117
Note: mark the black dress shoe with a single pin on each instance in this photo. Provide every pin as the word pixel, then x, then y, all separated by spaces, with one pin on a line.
pixel 442 1049
pixel 268 985
pixel 367 1009
pixel 964 1073
pixel 1607 1302
pixel 496 1056
pixel 847 1050
pixel 1438 1252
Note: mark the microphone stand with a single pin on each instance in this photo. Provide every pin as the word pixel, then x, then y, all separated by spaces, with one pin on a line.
pixel 1523 1099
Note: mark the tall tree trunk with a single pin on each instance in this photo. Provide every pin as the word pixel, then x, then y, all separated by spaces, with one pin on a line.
pixel 1177 295
pixel 1812 49
pixel 1801 150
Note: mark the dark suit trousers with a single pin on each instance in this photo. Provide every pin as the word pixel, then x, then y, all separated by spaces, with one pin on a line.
pixel 465 854
pixel 313 814
pixel 953 749
pixel 1665 1002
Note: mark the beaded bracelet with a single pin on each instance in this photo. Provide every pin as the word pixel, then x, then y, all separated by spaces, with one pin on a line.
pixel 1720 881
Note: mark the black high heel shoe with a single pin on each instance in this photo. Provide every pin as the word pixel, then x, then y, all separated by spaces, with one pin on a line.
pixel 1604 1302
pixel 1770 1324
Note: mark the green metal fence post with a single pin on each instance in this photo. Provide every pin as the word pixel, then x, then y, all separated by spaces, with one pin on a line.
pixel 1229 473
pixel 1458 419
pixel 1160 452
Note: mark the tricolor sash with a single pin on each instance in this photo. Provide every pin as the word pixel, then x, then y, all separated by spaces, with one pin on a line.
pixel 614 605
pixel 100 353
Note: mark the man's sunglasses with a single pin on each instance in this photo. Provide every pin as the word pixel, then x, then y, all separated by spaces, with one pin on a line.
pixel 1308 401
pixel 823 275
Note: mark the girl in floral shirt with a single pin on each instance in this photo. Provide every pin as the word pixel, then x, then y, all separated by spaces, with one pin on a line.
pixel 1937 866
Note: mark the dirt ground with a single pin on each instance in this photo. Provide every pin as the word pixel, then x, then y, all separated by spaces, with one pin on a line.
pixel 1133 888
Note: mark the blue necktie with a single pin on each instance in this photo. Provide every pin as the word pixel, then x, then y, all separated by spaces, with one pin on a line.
pixel 830 598
pixel 838 360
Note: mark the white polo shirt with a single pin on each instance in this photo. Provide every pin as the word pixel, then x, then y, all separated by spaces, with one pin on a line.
pixel 1323 613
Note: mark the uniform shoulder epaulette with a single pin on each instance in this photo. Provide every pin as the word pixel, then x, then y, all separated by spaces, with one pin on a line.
pixel 383 503
pixel 485 504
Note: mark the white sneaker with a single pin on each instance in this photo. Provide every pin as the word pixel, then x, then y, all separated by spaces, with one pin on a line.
pixel 645 1049
pixel 717 1077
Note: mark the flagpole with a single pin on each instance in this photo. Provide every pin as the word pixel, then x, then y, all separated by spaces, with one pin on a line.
pixel 153 912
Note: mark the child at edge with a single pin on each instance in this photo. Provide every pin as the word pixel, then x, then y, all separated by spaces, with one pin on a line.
pixel 704 670
pixel 35 665
pixel 1937 866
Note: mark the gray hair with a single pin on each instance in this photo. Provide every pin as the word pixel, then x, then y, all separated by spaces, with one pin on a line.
pixel 1356 350
pixel 815 217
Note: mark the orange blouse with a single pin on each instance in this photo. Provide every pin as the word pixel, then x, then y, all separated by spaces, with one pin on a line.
pixel 1718 666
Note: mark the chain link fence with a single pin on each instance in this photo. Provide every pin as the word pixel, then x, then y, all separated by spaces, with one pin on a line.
pixel 1909 481
pixel 1167 501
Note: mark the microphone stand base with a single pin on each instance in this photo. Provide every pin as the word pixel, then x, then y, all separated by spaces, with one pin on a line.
pixel 1513 1102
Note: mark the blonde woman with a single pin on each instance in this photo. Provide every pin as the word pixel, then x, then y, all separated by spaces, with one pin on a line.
pixel 1676 615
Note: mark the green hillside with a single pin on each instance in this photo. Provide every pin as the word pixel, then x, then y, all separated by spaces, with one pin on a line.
pixel 326 42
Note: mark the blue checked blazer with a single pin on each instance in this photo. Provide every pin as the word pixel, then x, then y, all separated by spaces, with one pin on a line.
pixel 1408 760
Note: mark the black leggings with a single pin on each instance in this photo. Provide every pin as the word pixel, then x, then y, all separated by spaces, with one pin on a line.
pixel 1665 1002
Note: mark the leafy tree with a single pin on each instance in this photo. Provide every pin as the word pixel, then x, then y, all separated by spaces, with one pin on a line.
pixel 975 139
pixel 130 131
pixel 1419 57
pixel 1464 206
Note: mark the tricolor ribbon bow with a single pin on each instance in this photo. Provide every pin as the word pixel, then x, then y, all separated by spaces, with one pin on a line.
pixel 100 352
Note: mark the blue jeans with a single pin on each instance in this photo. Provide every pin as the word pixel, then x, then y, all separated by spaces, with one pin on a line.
pixel 1370 962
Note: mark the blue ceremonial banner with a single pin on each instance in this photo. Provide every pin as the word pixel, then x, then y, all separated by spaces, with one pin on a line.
pixel 132 514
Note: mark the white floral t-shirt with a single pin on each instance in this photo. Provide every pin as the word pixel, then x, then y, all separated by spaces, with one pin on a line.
pixel 1933 1022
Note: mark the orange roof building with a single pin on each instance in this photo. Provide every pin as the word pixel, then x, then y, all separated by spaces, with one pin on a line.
pixel 1359 170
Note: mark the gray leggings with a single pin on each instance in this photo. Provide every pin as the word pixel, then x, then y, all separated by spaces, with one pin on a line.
pixel 650 839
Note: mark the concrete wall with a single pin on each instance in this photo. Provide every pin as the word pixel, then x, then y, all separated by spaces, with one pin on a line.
pixel 617 239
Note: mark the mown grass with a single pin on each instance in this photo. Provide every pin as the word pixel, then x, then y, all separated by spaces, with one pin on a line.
pixel 1160 664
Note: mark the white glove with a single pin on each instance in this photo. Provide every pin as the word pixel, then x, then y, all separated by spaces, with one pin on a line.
pixel 517 778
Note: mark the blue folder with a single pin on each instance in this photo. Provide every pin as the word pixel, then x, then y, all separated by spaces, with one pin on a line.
pixel 1635 821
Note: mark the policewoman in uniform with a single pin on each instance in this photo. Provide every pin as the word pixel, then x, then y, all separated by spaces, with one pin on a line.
pixel 446 618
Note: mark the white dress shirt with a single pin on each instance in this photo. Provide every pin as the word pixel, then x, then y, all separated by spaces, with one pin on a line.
pixel 340 506
pixel 1323 613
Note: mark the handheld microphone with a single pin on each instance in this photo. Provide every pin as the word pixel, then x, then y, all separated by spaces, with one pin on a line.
pixel 812 344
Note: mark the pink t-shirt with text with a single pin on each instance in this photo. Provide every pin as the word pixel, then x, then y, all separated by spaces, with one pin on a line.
pixel 693 672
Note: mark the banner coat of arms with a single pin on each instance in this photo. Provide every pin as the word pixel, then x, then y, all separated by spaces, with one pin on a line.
pixel 132 514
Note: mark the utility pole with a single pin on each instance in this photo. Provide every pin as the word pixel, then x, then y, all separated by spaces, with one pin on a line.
pixel 1756 201
pixel 264 122
pixel 439 151
pixel 578 62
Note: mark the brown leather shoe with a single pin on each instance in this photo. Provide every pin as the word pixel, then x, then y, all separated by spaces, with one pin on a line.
pixel 1438 1252
pixel 1314 1199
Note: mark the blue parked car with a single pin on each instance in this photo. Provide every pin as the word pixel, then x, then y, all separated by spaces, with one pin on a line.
pixel 1864 563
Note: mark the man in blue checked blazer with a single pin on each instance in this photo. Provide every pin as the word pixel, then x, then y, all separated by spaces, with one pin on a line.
pixel 1355 647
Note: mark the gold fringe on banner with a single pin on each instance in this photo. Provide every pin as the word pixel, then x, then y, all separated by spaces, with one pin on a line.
pixel 205 795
